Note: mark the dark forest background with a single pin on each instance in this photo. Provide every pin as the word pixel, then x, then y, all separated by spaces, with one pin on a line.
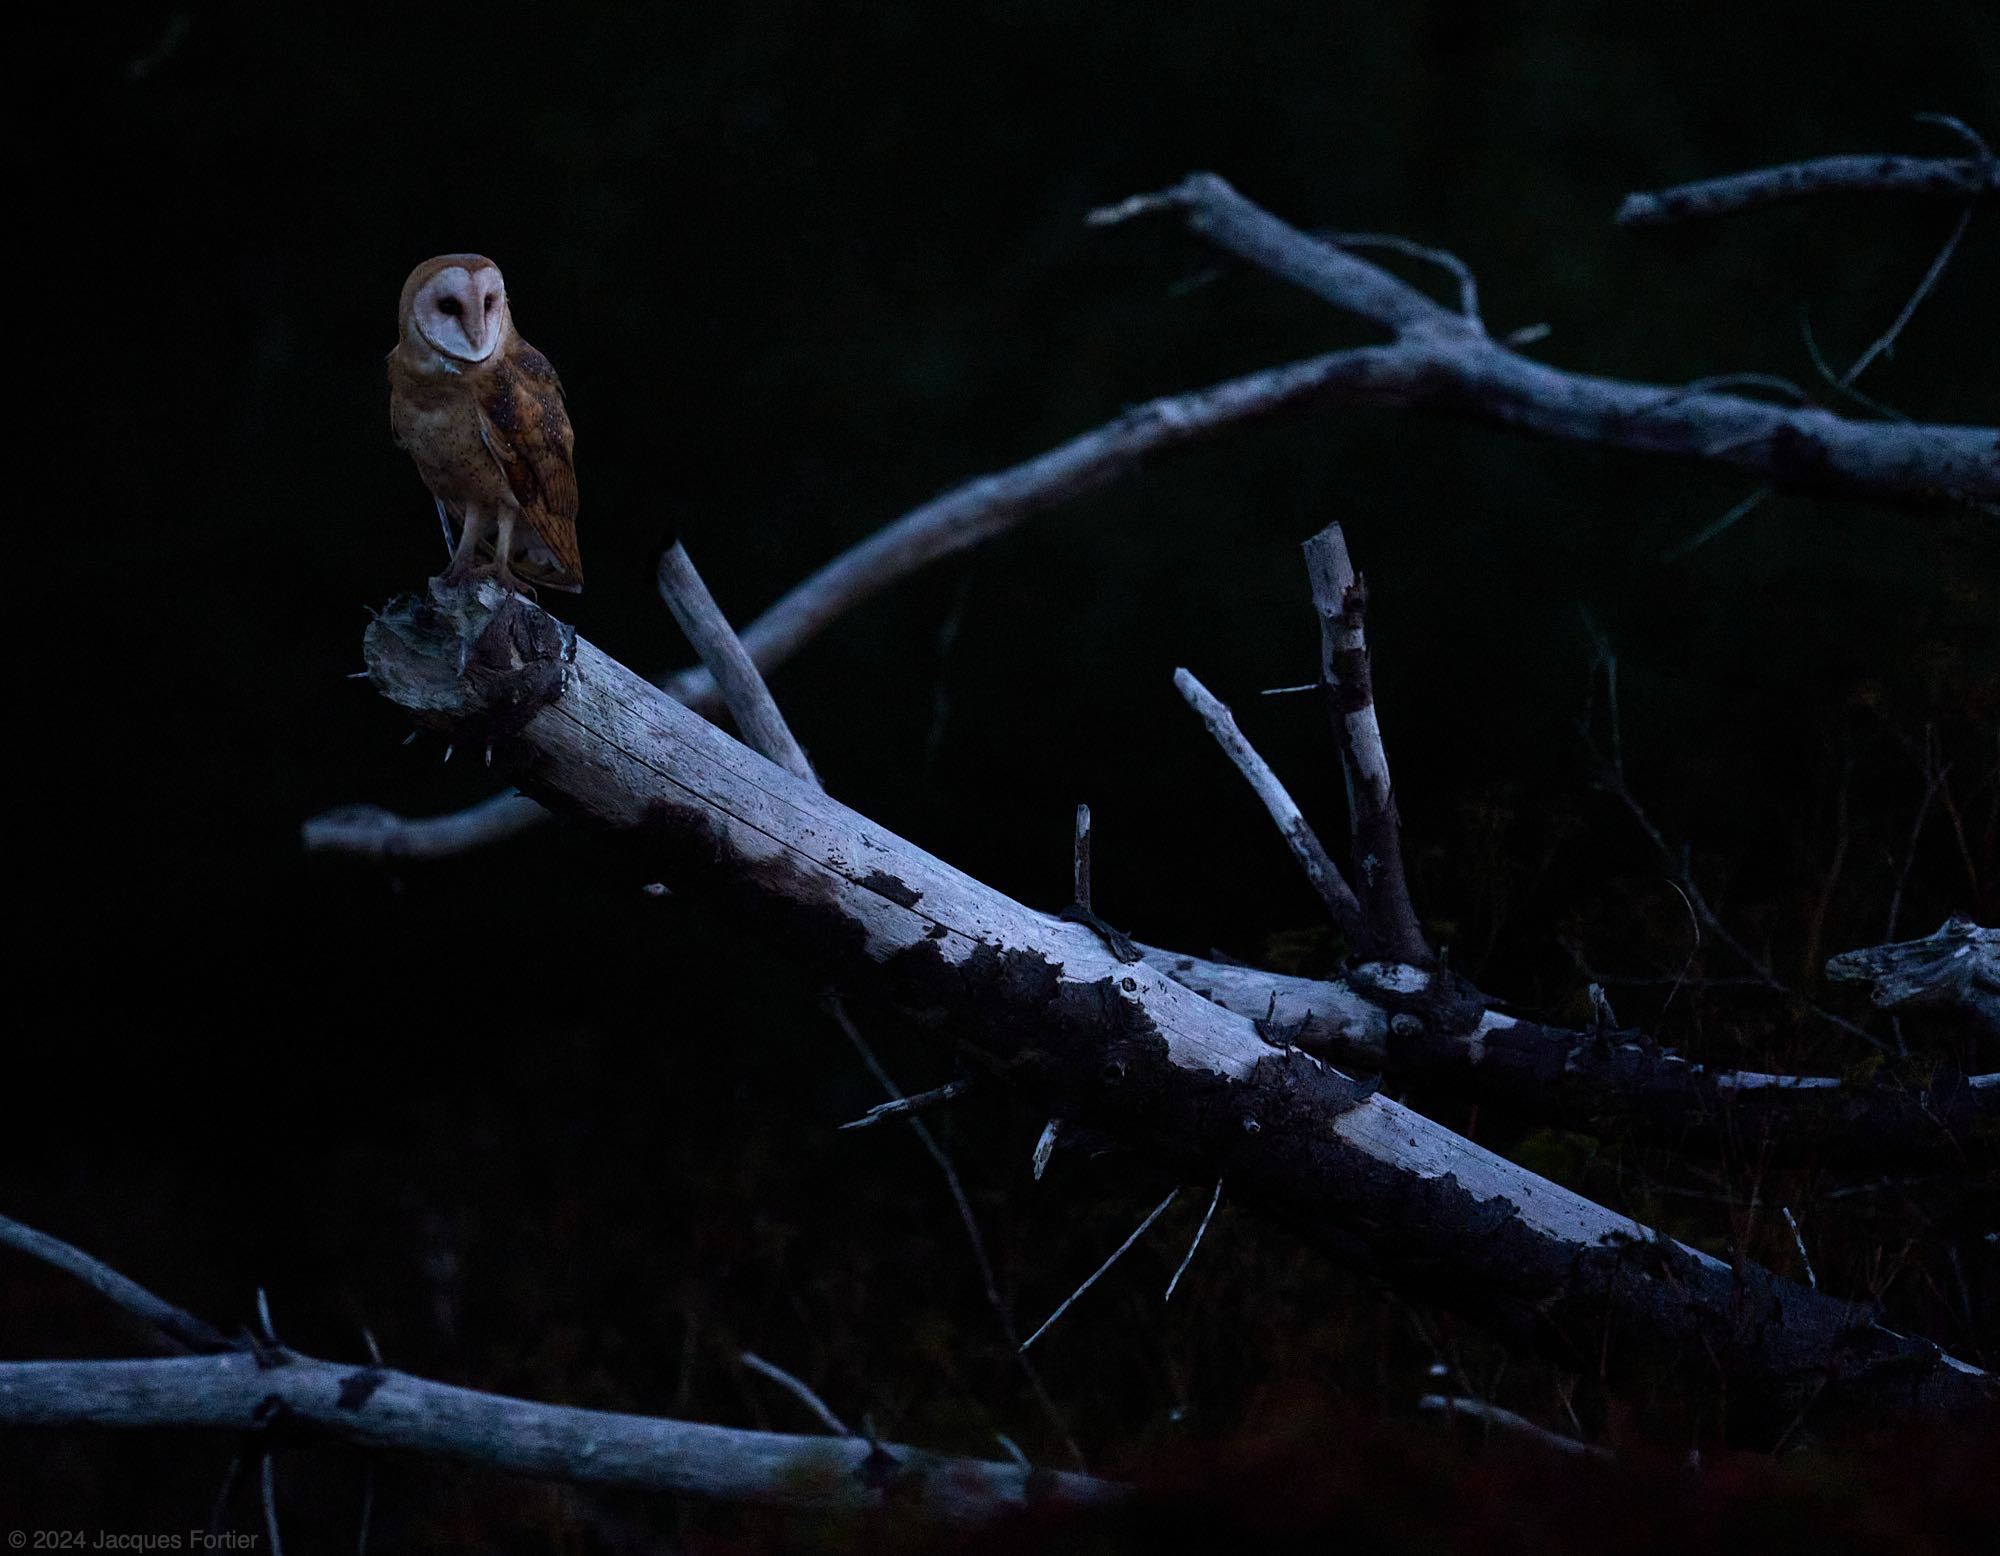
pixel 802 266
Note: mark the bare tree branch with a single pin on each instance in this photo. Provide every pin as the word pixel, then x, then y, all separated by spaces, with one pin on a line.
pixel 1951 177
pixel 374 1407
pixel 1319 868
pixel 1124 1049
pixel 178 1327
pixel 1442 361
pixel 255 1388
pixel 1375 826
pixel 991 505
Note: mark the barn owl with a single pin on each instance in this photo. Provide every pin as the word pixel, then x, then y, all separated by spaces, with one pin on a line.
pixel 481 412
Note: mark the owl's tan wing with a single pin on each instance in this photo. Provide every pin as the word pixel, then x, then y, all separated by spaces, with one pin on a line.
pixel 525 425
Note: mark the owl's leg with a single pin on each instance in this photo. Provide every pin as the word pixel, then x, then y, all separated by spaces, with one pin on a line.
pixel 503 553
pixel 462 559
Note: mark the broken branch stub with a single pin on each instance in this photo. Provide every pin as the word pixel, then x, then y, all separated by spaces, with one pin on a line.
pixel 1375 825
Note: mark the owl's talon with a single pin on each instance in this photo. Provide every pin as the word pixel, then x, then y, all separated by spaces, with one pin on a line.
pixel 513 585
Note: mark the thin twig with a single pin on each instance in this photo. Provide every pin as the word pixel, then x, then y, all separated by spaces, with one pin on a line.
pixel 1444 259
pixel 1496 1415
pixel 1320 870
pixel 1199 1233
pixel 1715 527
pixel 267 1473
pixel 1080 860
pixel 1137 1233
pixel 1887 339
pixel 1838 381
pixel 799 1390
pixel 1799 1242
pixel 915 1102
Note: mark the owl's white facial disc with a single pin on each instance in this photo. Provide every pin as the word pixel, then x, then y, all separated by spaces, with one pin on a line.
pixel 460 313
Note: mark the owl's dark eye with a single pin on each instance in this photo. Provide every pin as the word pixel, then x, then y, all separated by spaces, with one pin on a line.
pixel 450 307
pixel 491 299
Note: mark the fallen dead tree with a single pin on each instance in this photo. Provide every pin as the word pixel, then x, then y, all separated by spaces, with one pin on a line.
pixel 1053 1009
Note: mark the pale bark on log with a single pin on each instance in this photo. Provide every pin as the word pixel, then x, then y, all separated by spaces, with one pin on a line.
pixel 1127 1050
pixel 376 1408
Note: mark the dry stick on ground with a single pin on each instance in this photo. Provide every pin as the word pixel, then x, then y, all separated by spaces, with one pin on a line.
pixel 1124 1049
pixel 1949 177
pixel 1442 360
pixel 261 1388
pixel 1375 827
pixel 371 1407
pixel 1320 870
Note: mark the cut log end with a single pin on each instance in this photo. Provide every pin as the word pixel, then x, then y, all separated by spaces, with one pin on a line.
pixel 469 663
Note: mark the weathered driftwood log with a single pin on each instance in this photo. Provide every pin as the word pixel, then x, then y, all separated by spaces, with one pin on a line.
pixel 1126 1049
